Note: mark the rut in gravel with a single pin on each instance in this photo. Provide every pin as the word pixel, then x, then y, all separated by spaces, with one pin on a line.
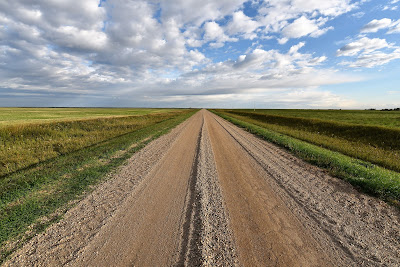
pixel 210 194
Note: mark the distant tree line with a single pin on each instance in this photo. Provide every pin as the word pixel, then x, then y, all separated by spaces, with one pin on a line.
pixel 386 109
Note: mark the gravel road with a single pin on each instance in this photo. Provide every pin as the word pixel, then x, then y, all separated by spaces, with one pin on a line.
pixel 210 194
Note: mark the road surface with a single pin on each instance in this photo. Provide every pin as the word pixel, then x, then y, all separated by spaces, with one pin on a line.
pixel 209 193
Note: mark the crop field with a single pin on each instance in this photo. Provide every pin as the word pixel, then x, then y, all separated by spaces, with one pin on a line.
pixel 44 165
pixel 375 144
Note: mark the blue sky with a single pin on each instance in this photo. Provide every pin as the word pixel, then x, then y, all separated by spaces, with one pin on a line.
pixel 200 53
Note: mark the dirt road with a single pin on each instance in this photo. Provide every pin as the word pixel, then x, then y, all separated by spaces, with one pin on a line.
pixel 211 194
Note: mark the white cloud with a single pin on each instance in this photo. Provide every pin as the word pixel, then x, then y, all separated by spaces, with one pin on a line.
pixel 298 18
pixel 300 27
pixel 198 11
pixel 193 36
pixel 364 44
pixel 369 52
pixel 81 45
pixel 394 27
pixel 385 23
pixel 326 8
pixel 358 15
pixel 140 50
pixel 263 69
pixel 242 24
pixel 375 25
pixel 72 37
pixel 213 32
pixel 303 27
pixel 283 40
pixel 376 58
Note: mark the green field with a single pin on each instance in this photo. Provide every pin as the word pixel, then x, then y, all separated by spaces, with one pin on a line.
pixel 361 117
pixel 367 155
pixel 23 144
pixel 47 165
pixel 10 116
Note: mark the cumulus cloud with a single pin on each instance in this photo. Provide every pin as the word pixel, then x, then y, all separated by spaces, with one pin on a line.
pixel 376 58
pixel 303 27
pixel 364 44
pixel 213 32
pixel 72 37
pixel 260 70
pixel 198 11
pixel 137 52
pixel 369 52
pixel 376 25
pixel 242 24
pixel 301 17
pixel 283 40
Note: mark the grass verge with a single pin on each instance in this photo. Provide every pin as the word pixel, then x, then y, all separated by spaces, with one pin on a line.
pixel 33 198
pixel 366 176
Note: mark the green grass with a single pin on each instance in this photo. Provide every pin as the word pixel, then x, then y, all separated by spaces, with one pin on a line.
pixel 12 116
pixel 361 117
pixel 368 177
pixel 31 197
pixel 375 144
pixel 22 145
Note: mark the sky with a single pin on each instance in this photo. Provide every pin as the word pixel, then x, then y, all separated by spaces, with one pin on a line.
pixel 200 53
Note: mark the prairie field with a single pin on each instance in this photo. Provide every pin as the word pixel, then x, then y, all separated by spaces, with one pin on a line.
pixel 360 117
pixel 29 136
pixel 12 116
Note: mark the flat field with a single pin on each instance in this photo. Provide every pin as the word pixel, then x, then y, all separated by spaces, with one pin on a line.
pixel 30 136
pixel 10 116
pixel 361 117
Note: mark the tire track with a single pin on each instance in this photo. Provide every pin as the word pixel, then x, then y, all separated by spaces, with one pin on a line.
pixel 190 249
